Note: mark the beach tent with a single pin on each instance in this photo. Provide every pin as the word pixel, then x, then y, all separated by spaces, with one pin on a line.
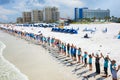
pixel 105 30
pixel 118 37
pixel 88 29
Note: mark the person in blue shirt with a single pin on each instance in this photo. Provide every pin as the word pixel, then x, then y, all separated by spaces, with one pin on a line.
pixel 74 53
pixel 65 49
pixel 52 42
pixel 90 62
pixel 85 58
pixel 62 48
pixel 79 55
pixel 106 61
pixel 114 70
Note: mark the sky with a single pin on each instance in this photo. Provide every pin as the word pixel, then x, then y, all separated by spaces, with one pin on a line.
pixel 11 9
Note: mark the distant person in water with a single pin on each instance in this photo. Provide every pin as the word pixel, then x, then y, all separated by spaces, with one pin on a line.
pixel 97 63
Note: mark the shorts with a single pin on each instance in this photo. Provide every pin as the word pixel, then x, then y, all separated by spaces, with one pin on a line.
pixel 114 74
pixel 90 63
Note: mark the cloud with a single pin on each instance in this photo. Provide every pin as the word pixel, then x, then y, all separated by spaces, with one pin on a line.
pixel 104 4
pixel 4 12
pixel 3 17
pixel 66 7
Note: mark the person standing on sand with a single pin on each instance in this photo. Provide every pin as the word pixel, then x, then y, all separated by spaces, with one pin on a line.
pixel 97 63
pixel 65 49
pixel 74 53
pixel 106 61
pixel 68 50
pixel 114 70
pixel 90 62
pixel 60 46
pixel 48 41
pixel 79 55
pixel 85 58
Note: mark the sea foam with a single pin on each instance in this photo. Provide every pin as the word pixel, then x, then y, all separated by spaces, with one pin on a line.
pixel 7 70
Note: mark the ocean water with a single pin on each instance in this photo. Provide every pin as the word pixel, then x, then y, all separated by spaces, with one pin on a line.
pixel 7 70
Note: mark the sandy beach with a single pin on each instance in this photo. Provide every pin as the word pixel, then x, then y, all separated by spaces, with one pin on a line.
pixel 37 63
pixel 33 60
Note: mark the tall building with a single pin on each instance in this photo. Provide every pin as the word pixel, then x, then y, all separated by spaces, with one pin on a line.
pixel 55 14
pixel 47 14
pixel 37 16
pixel 27 18
pixel 76 14
pixel 51 14
pixel 19 20
pixel 81 13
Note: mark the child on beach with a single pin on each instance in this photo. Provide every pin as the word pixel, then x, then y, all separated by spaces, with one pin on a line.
pixel 90 62
pixel 79 55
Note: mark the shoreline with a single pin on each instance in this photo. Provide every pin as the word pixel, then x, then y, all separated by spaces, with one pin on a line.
pixel 10 72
